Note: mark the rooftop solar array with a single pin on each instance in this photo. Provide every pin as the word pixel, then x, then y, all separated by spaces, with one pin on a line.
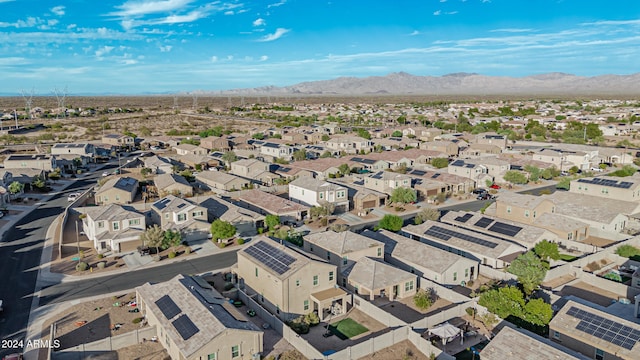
pixel 446 234
pixel 461 163
pixel 483 222
pixel 418 172
pixel 464 218
pixel 364 161
pixel 605 329
pixel 272 257
pixel 377 176
pixel 168 308
pixel 161 204
pixel 185 327
pixel 435 175
pixel 607 182
pixel 505 229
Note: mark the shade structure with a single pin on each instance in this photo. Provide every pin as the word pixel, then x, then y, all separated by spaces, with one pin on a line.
pixel 447 332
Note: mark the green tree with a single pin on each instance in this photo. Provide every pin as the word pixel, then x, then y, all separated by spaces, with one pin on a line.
pixel 626 170
pixel 229 157
pixel 38 182
pixel 145 171
pixel 564 183
pixel 547 250
pixel 593 131
pixel 222 229
pixel 272 221
pixel 423 299
pixel 537 312
pixel 440 163
pixel 344 169
pixel 16 188
pixel 171 239
pixel 534 172
pixel 153 237
pixel 530 270
pixel 397 133
pixel 391 223
pixel 258 136
pixel 300 155
pixel 628 251
pixel 364 134
pixel 427 213
pixel 325 137
pixel 403 195
pixel 515 177
pixel 503 301
pixel 326 154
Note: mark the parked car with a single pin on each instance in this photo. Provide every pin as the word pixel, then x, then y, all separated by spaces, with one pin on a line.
pixel 495 186
pixel 485 196
pixel 596 169
pixel 72 196
pixel 144 250
pixel 105 173
pixel 479 191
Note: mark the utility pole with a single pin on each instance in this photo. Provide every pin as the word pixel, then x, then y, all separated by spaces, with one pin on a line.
pixel 28 102
pixel 61 97
pixel 78 240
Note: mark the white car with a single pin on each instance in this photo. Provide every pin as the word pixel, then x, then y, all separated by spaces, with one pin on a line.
pixel 106 173
pixel 73 196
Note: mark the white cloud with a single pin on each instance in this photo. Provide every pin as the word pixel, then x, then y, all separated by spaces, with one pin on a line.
pixel 613 22
pixel 229 57
pixel 437 12
pixel 58 10
pixel 146 7
pixel 275 36
pixel 105 50
pixel 5 1
pixel 166 48
pixel 451 13
pixel 71 26
pixel 512 30
pixel 277 4
pixel 414 33
pixel 264 58
pixel 214 58
pixel 259 22
pixel 486 1
pixel 443 1
pixel 230 12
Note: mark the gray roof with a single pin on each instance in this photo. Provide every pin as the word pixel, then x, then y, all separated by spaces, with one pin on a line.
pixel 376 274
pixel 156 161
pixel 218 177
pixel 316 185
pixel 165 180
pixel 70 145
pixel 122 183
pixel 227 211
pixel 111 212
pixel 522 200
pixel 592 208
pixel 415 252
pixel 559 222
pixel 171 203
pixel 515 344
pixel 341 243
pixel 209 311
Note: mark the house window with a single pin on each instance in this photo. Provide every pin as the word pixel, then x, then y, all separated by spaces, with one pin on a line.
pixel 509 209
pixel 534 214
pixel 315 280
pixel 256 272
pixel 466 273
pixel 302 192
pixel 134 222
pixel 235 351
pixel 100 224
pixel 197 213
pixel 297 282
pixel 328 255
pixel 182 217
pixel 599 354
pixel 379 251
pixel 526 213
pixel 321 195
pixel 556 335
pixel 344 260
pixel 306 305
pixel 570 236
pixel 117 197
pixel 211 356
pixel 330 275
pixel 166 216
pixel 106 198
pixel 116 226
pixel 408 286
pixel 455 276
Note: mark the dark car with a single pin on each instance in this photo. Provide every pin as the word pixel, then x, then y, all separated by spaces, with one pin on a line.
pixel 479 191
pixel 144 250
pixel 485 196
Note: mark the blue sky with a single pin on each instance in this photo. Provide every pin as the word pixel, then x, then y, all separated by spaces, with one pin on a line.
pixel 149 46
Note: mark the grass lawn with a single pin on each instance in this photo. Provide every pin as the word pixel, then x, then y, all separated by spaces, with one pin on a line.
pixel 567 257
pixel 347 328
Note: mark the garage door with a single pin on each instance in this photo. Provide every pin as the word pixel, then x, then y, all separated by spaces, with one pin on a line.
pixel 129 246
pixel 369 204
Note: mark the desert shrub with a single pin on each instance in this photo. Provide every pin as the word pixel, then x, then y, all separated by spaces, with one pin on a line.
pixel 100 256
pixel 470 311
pixel 137 320
pixel 299 327
pixel 240 241
pixel 228 286
pixel 187 250
pixel 101 265
pixel 82 266
pixel 222 245
pixel 339 227
pixel 312 319
pixel 172 254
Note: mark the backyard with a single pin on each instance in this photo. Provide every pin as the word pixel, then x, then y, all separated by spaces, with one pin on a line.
pixel 347 328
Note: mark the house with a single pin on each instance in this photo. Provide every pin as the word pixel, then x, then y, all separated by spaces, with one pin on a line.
pixel 448 147
pixel 521 344
pixel 288 283
pixel 265 203
pixel 294 138
pixel 488 250
pixel 376 279
pixel 245 221
pixel 596 333
pixel 222 181
pixel 368 164
pixel 467 169
pixel 193 321
pixel 386 182
pixel 365 199
pixel 315 192
pixel 189 149
pixel 80 149
pixel 426 261
pixel 625 189
pixel 113 227
pixel 117 190
pixel 479 150
pixel 492 139
pixel 342 249
pixel 172 184
pixel 277 150
pixel 429 134
pixel 173 213
pixel 159 165
pixel 23 176
pixel 119 141
pixel 430 183
pixel 44 162
pixel 322 168
pixel 216 143
pixel 253 169
pixel 349 144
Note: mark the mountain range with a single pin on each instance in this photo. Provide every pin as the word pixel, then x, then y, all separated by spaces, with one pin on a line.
pixel 402 83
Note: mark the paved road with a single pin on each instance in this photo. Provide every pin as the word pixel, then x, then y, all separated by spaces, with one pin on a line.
pixel 123 281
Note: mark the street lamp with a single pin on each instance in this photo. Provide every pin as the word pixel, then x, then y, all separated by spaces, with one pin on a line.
pixel 78 240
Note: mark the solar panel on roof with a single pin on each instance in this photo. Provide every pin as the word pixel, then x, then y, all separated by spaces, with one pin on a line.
pixel 505 229
pixel 446 234
pixel 625 184
pixel 377 176
pixel 464 218
pixel 181 205
pixel 458 163
pixel 484 222
pixel 272 257
pixel 605 329
pixel 168 308
pixel 435 175
pixel 418 172
pixel 185 327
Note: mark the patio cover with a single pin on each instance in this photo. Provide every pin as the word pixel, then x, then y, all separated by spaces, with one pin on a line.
pixel 447 332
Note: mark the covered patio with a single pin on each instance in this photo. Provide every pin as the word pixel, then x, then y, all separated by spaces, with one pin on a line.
pixel 329 302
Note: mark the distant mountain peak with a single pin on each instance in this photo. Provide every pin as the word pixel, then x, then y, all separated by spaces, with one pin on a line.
pixel 460 74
